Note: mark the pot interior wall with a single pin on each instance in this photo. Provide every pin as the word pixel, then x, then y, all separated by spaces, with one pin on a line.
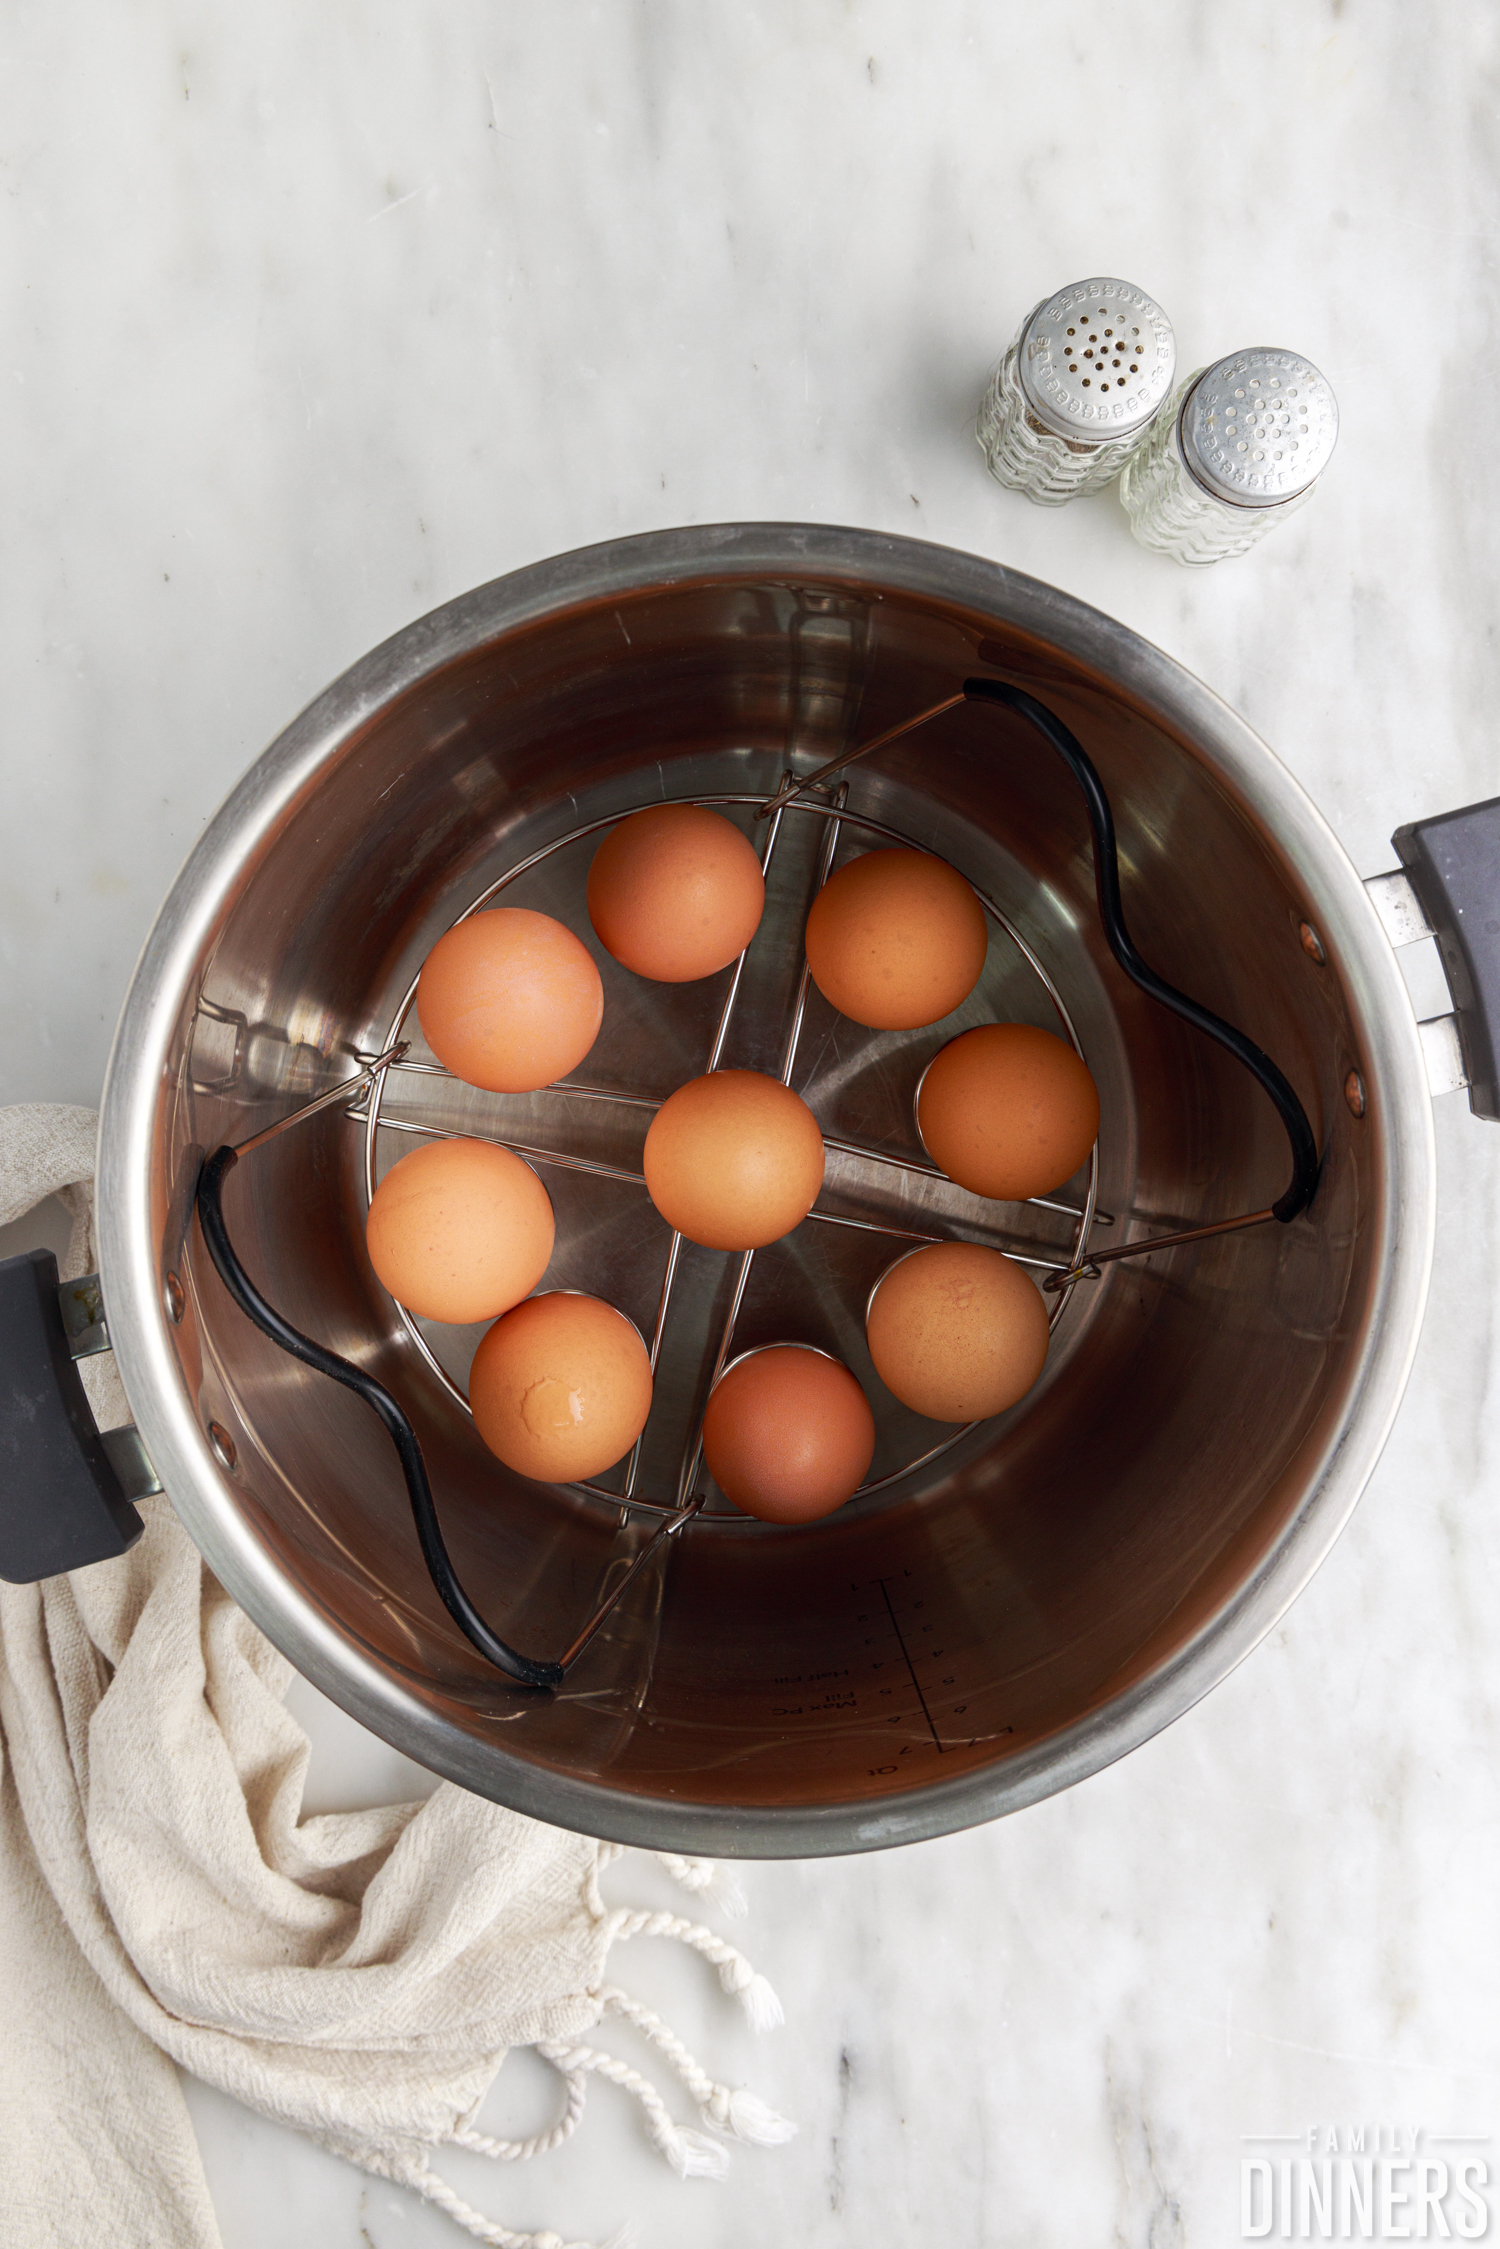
pixel 979 1604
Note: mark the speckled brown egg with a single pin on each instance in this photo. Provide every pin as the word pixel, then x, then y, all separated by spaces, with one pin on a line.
pixel 1008 1111
pixel 459 1230
pixel 675 892
pixel 957 1332
pixel 788 1434
pixel 560 1388
pixel 896 939
pixel 734 1160
pixel 510 1000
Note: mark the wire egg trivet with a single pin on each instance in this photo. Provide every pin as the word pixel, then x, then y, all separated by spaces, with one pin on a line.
pixel 373 1079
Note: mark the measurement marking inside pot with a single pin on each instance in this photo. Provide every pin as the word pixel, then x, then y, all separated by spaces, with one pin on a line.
pixel 911 1667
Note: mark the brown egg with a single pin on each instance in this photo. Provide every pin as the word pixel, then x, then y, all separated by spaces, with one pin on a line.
pixel 510 1000
pixel 560 1388
pixel 459 1230
pixel 788 1434
pixel 675 892
pixel 734 1160
pixel 896 939
pixel 957 1332
pixel 1008 1111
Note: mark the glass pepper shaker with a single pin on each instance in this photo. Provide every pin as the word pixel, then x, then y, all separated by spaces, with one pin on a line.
pixel 1068 403
pixel 1241 446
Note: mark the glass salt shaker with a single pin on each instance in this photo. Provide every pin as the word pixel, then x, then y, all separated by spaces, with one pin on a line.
pixel 1068 403
pixel 1241 446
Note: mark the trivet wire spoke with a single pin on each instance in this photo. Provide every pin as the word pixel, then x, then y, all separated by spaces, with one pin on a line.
pixel 996 1237
pixel 535 1153
pixel 716 1049
pixel 788 1065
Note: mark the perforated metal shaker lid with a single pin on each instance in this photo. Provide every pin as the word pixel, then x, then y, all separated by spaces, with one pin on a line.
pixel 1259 427
pixel 1097 359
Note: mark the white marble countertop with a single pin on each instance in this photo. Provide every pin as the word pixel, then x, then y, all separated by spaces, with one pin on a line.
pixel 317 317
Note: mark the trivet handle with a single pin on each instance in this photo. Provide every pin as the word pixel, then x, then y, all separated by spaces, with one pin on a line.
pixel 1453 861
pixel 527 1671
pixel 1272 1080
pixel 62 1501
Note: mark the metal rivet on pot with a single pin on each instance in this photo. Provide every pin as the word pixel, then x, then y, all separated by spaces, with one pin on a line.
pixel 1312 943
pixel 174 1299
pixel 223 1445
pixel 1354 1093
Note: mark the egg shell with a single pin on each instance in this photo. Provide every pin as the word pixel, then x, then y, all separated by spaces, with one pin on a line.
pixel 675 892
pixel 788 1434
pixel 560 1388
pixel 510 1000
pixel 1008 1111
pixel 957 1332
pixel 734 1160
pixel 896 939
pixel 459 1230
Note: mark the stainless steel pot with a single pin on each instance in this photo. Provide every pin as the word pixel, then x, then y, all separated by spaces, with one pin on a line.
pixel 1050 1589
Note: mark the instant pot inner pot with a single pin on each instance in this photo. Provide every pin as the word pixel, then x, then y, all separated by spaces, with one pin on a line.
pixel 971 1606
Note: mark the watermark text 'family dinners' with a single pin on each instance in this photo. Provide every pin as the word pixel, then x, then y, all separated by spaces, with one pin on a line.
pixel 1365 2182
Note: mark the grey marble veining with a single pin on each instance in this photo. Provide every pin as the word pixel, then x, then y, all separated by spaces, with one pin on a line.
pixel 319 316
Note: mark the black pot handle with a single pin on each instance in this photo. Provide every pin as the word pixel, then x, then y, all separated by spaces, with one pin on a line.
pixel 65 1490
pixel 1452 864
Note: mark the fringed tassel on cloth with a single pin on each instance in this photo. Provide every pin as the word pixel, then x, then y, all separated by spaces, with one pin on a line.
pixel 707 1878
pixel 727 2110
pixel 738 1978
pixel 742 2114
pixel 437 2191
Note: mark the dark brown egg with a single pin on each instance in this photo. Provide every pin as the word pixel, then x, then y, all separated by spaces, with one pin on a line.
pixel 788 1434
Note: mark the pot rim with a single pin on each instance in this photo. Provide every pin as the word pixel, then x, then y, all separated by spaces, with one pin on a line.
pixel 1400 1111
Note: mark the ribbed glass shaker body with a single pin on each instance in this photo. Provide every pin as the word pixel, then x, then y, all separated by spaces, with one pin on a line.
pixel 1066 407
pixel 1239 449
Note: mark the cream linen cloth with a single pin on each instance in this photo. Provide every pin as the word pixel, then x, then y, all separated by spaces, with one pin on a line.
pixel 358 1976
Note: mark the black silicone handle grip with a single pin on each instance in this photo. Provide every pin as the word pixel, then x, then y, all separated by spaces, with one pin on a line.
pixel 61 1503
pixel 1454 864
